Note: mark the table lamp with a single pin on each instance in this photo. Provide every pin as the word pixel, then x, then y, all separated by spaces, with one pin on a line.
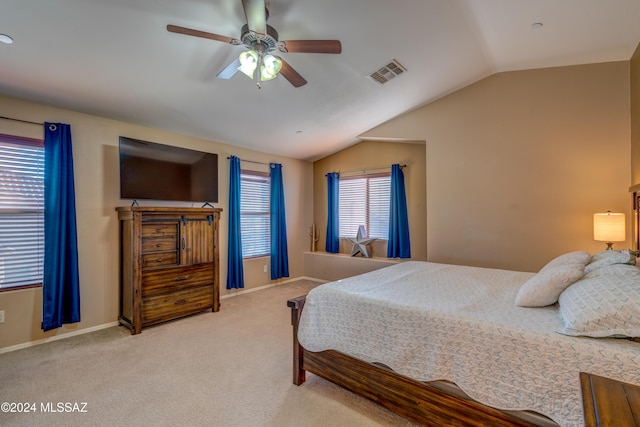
pixel 609 227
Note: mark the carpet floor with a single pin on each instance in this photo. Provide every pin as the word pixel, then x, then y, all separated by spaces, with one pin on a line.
pixel 230 368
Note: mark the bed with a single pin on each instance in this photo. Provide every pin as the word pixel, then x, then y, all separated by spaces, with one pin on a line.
pixel 457 345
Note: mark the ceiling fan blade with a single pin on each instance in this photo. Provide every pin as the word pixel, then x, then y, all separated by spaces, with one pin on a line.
pixel 202 34
pixel 256 15
pixel 311 46
pixel 292 75
pixel 230 70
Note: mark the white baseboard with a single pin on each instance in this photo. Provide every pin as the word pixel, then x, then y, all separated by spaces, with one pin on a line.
pixel 111 324
pixel 57 337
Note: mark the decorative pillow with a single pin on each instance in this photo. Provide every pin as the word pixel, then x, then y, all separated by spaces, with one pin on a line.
pixel 609 257
pixel 545 287
pixel 604 303
pixel 576 257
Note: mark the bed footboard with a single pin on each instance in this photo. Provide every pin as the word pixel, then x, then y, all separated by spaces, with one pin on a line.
pixel 418 401
pixel 296 305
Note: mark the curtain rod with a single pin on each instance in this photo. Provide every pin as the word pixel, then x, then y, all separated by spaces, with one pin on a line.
pixel 252 161
pixel 23 121
pixel 369 170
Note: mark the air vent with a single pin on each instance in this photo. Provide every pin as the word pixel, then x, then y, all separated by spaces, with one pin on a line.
pixel 387 72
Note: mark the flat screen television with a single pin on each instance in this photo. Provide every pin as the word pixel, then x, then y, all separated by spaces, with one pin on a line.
pixel 153 171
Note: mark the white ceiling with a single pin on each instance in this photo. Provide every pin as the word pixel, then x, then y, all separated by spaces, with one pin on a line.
pixel 115 58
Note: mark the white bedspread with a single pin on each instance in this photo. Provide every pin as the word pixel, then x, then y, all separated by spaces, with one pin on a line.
pixel 443 322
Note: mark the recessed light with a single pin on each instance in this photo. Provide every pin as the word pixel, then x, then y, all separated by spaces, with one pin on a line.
pixel 536 25
pixel 5 39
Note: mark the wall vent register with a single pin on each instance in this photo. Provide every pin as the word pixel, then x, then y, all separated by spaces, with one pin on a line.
pixel 387 72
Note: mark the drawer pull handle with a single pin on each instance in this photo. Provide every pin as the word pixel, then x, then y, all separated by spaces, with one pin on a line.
pixel 159 260
pixel 158 230
pixel 180 301
pixel 181 278
pixel 158 245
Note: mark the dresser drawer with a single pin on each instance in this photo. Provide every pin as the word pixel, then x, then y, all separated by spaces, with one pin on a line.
pixel 172 279
pixel 159 236
pixel 160 229
pixel 163 307
pixel 159 259
pixel 159 244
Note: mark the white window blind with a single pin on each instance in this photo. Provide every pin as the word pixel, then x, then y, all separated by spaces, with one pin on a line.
pixel 254 214
pixel 21 211
pixel 364 200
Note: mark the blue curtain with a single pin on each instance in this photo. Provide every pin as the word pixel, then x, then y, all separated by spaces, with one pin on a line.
pixel 235 272
pixel 279 254
pixel 332 240
pixel 398 245
pixel 60 281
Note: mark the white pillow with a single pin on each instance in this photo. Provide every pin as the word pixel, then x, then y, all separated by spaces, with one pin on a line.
pixel 604 303
pixel 576 257
pixel 545 287
pixel 609 257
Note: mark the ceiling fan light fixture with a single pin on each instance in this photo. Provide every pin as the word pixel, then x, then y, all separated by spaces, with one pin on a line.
pixel 248 62
pixel 270 68
pixel 260 39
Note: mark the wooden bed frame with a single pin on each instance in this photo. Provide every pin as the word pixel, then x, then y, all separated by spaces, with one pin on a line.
pixel 418 401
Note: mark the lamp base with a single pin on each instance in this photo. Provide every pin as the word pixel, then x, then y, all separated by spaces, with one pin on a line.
pixel 609 246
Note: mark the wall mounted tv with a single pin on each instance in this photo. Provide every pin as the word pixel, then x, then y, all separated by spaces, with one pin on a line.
pixel 153 171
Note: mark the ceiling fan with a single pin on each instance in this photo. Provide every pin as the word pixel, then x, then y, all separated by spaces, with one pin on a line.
pixel 261 40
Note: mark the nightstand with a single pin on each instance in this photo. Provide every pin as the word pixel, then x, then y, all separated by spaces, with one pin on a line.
pixel 609 402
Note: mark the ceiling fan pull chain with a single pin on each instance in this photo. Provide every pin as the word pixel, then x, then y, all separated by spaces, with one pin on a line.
pixel 258 70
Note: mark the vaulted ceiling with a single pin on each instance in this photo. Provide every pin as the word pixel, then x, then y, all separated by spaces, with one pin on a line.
pixel 116 59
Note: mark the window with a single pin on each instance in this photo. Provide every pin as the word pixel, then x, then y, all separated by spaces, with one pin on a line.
pixel 21 211
pixel 364 200
pixel 254 214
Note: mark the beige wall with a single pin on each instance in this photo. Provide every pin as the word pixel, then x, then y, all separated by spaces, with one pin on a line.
pixel 518 163
pixel 371 155
pixel 515 166
pixel 328 267
pixel 95 153
pixel 635 117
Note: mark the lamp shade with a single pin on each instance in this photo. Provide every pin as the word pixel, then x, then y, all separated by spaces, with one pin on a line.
pixel 270 68
pixel 609 227
pixel 248 62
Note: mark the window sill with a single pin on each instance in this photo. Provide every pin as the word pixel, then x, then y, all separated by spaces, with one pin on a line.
pixel 358 257
pixel 20 288
pixel 330 266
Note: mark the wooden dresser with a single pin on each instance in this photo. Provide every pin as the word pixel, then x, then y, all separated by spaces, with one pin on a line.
pixel 169 264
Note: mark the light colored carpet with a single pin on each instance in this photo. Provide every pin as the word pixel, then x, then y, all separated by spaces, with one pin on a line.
pixel 231 368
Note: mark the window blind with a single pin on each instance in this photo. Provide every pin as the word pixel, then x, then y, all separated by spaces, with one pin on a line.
pixel 254 214
pixel 364 200
pixel 379 201
pixel 21 211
